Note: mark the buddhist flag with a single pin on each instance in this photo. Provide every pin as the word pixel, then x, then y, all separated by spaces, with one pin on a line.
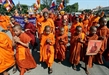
pixel 37 5
pixel 8 4
pixel 61 5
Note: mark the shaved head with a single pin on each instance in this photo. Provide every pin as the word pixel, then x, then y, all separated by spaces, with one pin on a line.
pixel 18 27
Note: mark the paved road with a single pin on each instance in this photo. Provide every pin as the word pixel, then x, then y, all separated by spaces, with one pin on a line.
pixel 65 68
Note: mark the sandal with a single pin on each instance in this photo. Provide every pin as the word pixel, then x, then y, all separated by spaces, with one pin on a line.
pixel 28 71
pixel 14 70
pixel 50 71
pixel 74 67
pixel 87 72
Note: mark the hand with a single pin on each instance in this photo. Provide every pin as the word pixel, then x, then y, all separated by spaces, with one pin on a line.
pixel 48 41
pixel 11 24
pixel 27 29
pixel 102 37
pixel 85 26
pixel 79 40
pixel 16 39
pixel 39 24
pixel 61 39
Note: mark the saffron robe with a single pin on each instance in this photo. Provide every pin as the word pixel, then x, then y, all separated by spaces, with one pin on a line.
pixel 47 50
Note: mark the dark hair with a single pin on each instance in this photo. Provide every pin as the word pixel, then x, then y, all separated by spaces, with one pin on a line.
pixel 101 19
pixel 46 27
pixel 78 27
pixel 45 13
pixel 92 27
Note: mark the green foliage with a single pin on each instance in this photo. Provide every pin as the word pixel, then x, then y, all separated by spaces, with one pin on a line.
pixel 87 10
pixel 59 1
pixel 72 8
pixel 47 3
pixel 43 6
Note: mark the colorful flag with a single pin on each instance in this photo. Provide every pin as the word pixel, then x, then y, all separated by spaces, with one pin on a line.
pixel 2 1
pixel 53 5
pixel 8 4
pixel 61 5
pixel 36 5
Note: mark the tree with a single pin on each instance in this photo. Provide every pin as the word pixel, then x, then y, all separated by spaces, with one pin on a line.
pixel 59 1
pixel 43 6
pixel 75 7
pixel 68 8
pixel 72 8
pixel 24 8
pixel 46 3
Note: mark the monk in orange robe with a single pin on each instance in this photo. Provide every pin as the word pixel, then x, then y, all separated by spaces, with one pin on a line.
pixel 6 53
pixel 61 45
pixel 47 21
pixel 95 20
pixel 76 46
pixel 82 15
pixel 39 20
pixel 81 21
pixel 85 24
pixel 103 33
pixel 3 22
pixel 12 23
pixel 47 48
pixel 65 26
pixel 91 15
pixel 7 18
pixel 52 16
pixel 24 58
pixel 89 59
pixel 75 24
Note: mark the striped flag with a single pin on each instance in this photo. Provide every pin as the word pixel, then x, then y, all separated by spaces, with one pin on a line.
pixel 53 5
pixel 36 5
pixel 2 1
pixel 8 4
pixel 61 5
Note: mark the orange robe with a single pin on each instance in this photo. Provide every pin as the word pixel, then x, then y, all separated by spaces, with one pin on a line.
pixel 6 53
pixel 90 58
pixel 82 16
pixel 47 50
pixel 76 48
pixel 7 18
pixel 102 31
pixel 85 25
pixel 3 22
pixel 47 22
pixel 60 47
pixel 74 25
pixel 91 16
pixel 39 20
pixel 24 58
pixel 66 29
pixel 52 16
pixel 94 21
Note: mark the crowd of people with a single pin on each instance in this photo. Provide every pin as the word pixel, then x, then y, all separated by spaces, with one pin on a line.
pixel 52 29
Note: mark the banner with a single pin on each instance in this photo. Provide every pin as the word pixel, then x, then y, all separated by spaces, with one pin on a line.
pixel 93 47
pixel 20 20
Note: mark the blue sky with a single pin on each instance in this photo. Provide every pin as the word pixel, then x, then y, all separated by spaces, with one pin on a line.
pixel 83 4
